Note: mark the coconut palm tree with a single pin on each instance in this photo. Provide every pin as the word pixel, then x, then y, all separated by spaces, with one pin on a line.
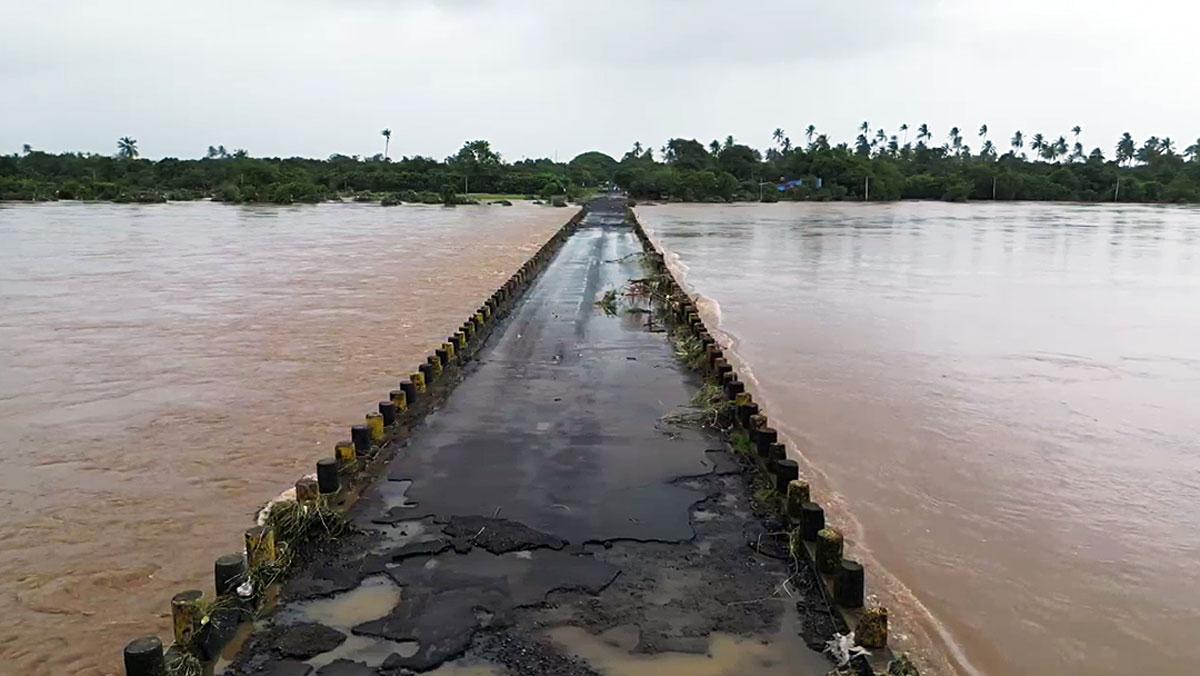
pixel 923 133
pixel 1167 146
pixel 1125 149
pixel 26 149
pixel 1039 144
pixel 955 138
pixel 1018 142
pixel 809 132
pixel 1192 152
pixel 777 135
pixel 127 147
pixel 865 127
pixel 983 132
pixel 904 129
pixel 1077 130
pixel 387 140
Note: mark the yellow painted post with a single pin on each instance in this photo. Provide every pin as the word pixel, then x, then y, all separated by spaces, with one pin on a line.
pixel 345 453
pixel 186 613
pixel 260 546
pixel 829 550
pixel 418 381
pixel 449 348
pixel 375 423
pixel 399 399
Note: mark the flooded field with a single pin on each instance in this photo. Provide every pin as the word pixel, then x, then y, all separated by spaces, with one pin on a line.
pixel 996 402
pixel 164 369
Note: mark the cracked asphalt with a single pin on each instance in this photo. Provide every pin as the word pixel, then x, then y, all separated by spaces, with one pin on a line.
pixel 544 519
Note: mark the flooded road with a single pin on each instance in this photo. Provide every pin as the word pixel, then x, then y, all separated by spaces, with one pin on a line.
pixel 997 402
pixel 165 369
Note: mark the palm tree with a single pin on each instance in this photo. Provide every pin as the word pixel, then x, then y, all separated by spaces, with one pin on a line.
pixel 1076 130
pixel 714 147
pixel 1060 147
pixel 26 148
pixel 1167 146
pixel 1192 152
pixel 1125 149
pixel 777 135
pixel 865 126
pixel 810 132
pixel 983 131
pixel 955 138
pixel 1018 141
pixel 127 147
pixel 923 132
pixel 387 140
pixel 904 128
pixel 729 141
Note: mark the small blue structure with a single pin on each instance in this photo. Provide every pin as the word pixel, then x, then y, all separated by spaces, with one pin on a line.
pixel 799 183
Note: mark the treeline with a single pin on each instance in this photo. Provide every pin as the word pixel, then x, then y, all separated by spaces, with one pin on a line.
pixel 877 166
pixel 238 177
pixel 882 166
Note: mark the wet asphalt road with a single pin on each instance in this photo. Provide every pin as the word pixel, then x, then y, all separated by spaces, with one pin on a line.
pixel 547 492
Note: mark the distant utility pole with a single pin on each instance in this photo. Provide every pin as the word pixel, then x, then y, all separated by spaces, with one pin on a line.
pixel 993 188
pixel 1117 191
pixel 867 189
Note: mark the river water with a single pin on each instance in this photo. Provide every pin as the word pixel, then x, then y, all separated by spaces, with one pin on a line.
pixel 165 369
pixel 998 403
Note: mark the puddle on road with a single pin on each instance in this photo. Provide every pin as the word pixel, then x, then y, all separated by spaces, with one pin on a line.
pixel 727 655
pixel 371 600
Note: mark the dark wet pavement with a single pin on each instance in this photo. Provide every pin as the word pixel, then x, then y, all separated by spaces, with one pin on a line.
pixel 545 519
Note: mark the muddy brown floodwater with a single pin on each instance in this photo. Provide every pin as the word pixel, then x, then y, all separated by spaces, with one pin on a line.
pixel 165 369
pixel 999 401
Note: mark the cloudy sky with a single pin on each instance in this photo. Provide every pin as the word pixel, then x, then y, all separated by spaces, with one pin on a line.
pixel 547 78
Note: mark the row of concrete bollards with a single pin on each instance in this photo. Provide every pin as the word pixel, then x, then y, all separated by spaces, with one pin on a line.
pixel 823 545
pixel 192 616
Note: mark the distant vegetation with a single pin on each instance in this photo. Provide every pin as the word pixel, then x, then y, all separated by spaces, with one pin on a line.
pixel 909 164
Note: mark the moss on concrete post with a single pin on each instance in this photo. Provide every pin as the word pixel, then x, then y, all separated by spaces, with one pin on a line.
pixel 260 546
pixel 829 550
pixel 797 494
pixel 186 611
pixel 418 381
pixel 307 491
pixel 375 424
pixel 872 629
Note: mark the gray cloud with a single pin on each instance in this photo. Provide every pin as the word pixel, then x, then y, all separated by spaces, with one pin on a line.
pixel 312 77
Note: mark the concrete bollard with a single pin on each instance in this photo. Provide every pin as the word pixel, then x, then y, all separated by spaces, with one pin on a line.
pixel 345 453
pixel 797 494
pixel 186 611
pixel 361 436
pixel 435 365
pixel 812 520
pixel 327 476
pixel 848 584
pixel 426 374
pixel 307 491
pixel 144 657
pixel 387 409
pixel 460 339
pixel 786 471
pixel 410 392
pixel 776 452
pixel 767 436
pixel 418 381
pixel 829 550
pixel 757 422
pixel 443 355
pixel 448 348
pixel 260 546
pixel 399 401
pixel 746 411
pixel 229 571
pixel 375 424
pixel 872 629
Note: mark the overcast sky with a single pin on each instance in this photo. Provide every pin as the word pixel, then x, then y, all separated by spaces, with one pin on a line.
pixel 547 78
